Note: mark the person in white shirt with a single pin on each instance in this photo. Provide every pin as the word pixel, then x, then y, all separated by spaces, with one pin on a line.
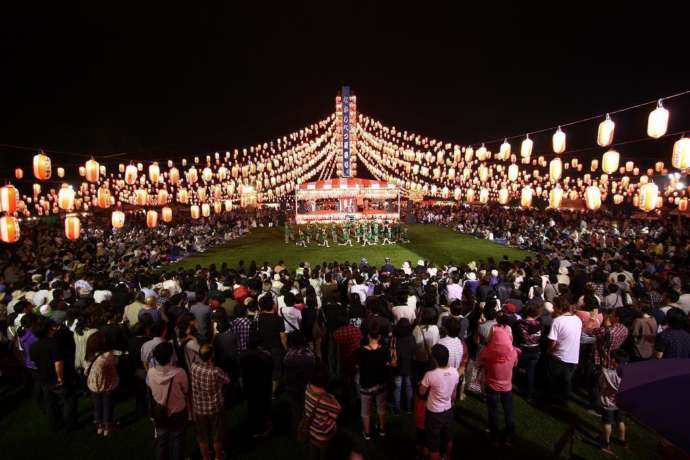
pixel 292 317
pixel 360 289
pixel 564 350
pixel 454 289
pixel 440 386
pixel 453 344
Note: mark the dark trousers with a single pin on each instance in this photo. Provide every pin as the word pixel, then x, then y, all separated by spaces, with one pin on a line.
pixel 506 400
pixel 103 404
pixel 560 375
pixel 35 388
pixel 259 409
pixel 296 407
pixel 170 439
pixel 60 403
pixel 528 362
pixel 141 392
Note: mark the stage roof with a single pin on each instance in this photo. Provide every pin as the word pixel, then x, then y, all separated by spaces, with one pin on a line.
pixel 350 183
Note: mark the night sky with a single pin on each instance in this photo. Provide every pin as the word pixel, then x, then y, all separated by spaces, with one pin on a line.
pixel 158 81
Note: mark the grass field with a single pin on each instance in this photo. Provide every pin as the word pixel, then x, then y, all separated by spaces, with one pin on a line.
pixel 25 435
pixel 429 242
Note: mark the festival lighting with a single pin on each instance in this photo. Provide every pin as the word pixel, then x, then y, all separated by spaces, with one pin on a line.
pixel 72 227
pixel 42 166
pixel 610 161
pixel 118 219
pixel 92 170
pixel 605 132
pixel 657 123
pixel 9 229
pixel 9 197
pixel 558 141
pixel 681 153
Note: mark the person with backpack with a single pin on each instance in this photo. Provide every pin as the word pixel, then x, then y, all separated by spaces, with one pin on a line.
pixel 101 379
pixel 321 409
pixel 169 388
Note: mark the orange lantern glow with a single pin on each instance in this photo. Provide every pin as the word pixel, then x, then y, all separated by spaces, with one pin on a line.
pixel 141 197
pixel 19 173
pixel 72 227
pixel 526 197
pixel 92 170
pixel 66 197
pixel 513 172
pixel 166 214
pixel 151 218
pixel 217 207
pixel 154 172
pixel 555 197
pixel 9 197
pixel 503 196
pixel 205 210
pixel 174 176
pixel 9 229
pixel 163 197
pixel 61 172
pixel 103 199
pixel 131 174
pixel 42 166
pixel 228 205
pixel 194 211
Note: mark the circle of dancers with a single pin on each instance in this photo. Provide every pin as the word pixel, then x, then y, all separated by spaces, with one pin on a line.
pixel 363 233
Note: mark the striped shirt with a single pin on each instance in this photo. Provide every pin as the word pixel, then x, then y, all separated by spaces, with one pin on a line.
pixel 323 423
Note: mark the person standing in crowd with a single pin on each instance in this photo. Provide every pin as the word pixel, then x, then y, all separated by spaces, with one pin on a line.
pixel 564 350
pixel 674 341
pixel 271 332
pixel 373 360
pixel 320 411
pixel 609 384
pixel 207 402
pixel 58 384
pixel 402 348
pixel 439 386
pixel 101 380
pixel 529 339
pixel 202 314
pixel 498 359
pixel 169 388
pixel 643 332
pixel 298 367
pixel 257 375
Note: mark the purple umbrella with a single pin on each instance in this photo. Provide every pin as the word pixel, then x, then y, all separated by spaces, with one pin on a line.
pixel 657 393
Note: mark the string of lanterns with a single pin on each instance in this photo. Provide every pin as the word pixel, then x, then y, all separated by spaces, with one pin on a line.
pixel 419 165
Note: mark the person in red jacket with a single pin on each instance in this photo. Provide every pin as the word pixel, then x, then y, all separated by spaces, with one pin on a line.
pixel 498 359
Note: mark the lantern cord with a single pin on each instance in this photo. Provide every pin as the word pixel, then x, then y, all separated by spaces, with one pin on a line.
pixel 584 120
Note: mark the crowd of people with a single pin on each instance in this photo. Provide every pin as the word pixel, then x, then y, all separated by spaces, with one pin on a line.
pixel 344 338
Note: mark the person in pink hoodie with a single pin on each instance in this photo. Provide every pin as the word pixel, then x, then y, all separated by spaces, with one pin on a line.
pixel 498 359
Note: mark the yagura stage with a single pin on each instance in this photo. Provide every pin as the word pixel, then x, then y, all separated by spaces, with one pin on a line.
pixel 339 200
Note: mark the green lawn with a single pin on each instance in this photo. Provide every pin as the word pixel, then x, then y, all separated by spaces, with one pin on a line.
pixel 429 242
pixel 25 435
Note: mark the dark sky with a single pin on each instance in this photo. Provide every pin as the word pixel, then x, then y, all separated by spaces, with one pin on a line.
pixel 163 80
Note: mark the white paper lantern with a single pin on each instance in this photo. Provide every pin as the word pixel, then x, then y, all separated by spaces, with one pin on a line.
pixel 657 124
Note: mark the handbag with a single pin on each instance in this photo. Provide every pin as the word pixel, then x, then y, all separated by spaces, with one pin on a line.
pixel 394 353
pixel 304 426
pixel 159 412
